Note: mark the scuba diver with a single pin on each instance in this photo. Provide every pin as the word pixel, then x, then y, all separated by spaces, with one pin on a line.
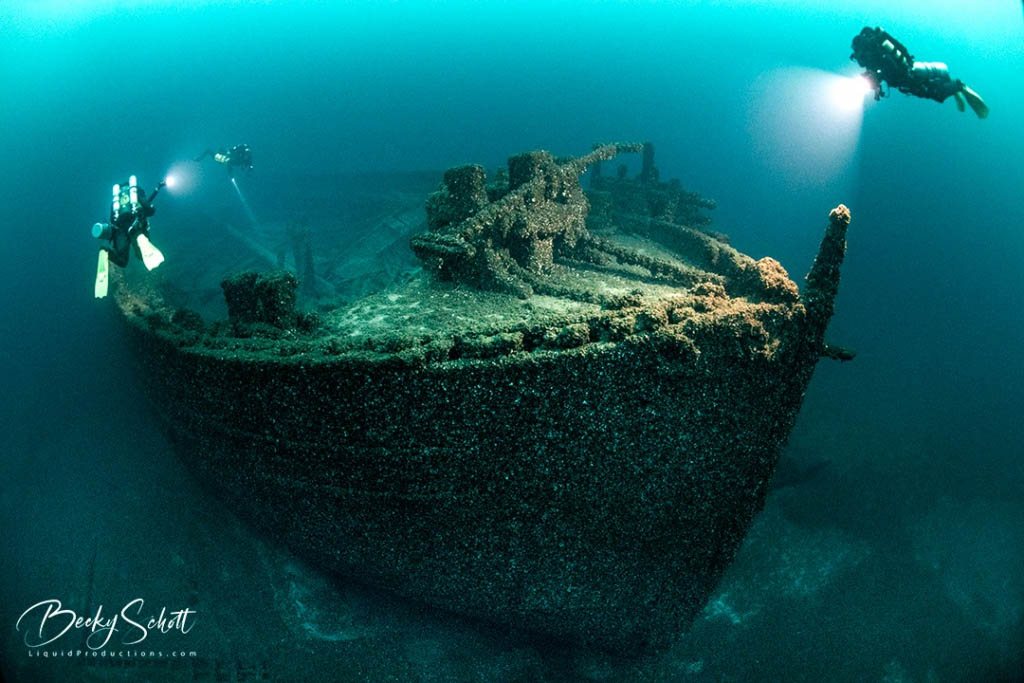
pixel 130 210
pixel 887 59
pixel 239 155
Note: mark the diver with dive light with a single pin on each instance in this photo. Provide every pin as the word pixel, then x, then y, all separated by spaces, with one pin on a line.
pixel 887 59
pixel 239 155
pixel 128 228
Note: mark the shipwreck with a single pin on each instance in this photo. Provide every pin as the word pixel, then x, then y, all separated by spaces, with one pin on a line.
pixel 564 422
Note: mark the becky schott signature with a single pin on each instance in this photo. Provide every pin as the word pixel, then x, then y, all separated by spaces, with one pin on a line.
pixel 54 622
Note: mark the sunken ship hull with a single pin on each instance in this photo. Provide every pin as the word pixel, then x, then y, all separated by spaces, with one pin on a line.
pixel 587 474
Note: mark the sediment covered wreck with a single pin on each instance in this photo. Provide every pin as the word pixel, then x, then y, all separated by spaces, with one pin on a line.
pixel 564 423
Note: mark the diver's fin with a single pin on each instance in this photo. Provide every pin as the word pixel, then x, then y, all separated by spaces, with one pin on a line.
pixel 959 101
pixel 102 281
pixel 151 256
pixel 977 104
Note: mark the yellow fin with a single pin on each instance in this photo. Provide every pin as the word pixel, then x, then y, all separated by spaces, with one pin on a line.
pixel 102 281
pixel 151 256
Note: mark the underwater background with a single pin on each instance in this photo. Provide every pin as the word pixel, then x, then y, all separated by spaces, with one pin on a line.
pixel 892 547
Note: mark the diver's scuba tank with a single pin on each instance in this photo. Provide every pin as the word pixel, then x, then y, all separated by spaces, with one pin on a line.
pixel 889 47
pixel 133 194
pixel 115 207
pixel 125 200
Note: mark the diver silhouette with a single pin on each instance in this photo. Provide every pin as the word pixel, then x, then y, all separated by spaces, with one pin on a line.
pixel 237 156
pixel 887 60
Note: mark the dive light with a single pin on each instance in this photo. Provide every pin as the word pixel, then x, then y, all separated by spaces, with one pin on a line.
pixel 133 193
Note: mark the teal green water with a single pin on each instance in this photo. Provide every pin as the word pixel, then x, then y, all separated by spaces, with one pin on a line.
pixel 903 557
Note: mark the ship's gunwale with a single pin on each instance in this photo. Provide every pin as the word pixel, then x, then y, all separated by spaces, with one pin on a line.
pixel 316 349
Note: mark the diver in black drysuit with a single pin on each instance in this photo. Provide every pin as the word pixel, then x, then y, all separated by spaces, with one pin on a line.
pixel 239 155
pixel 126 228
pixel 887 59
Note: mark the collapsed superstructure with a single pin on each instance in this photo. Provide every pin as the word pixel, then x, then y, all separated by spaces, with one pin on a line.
pixel 565 423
